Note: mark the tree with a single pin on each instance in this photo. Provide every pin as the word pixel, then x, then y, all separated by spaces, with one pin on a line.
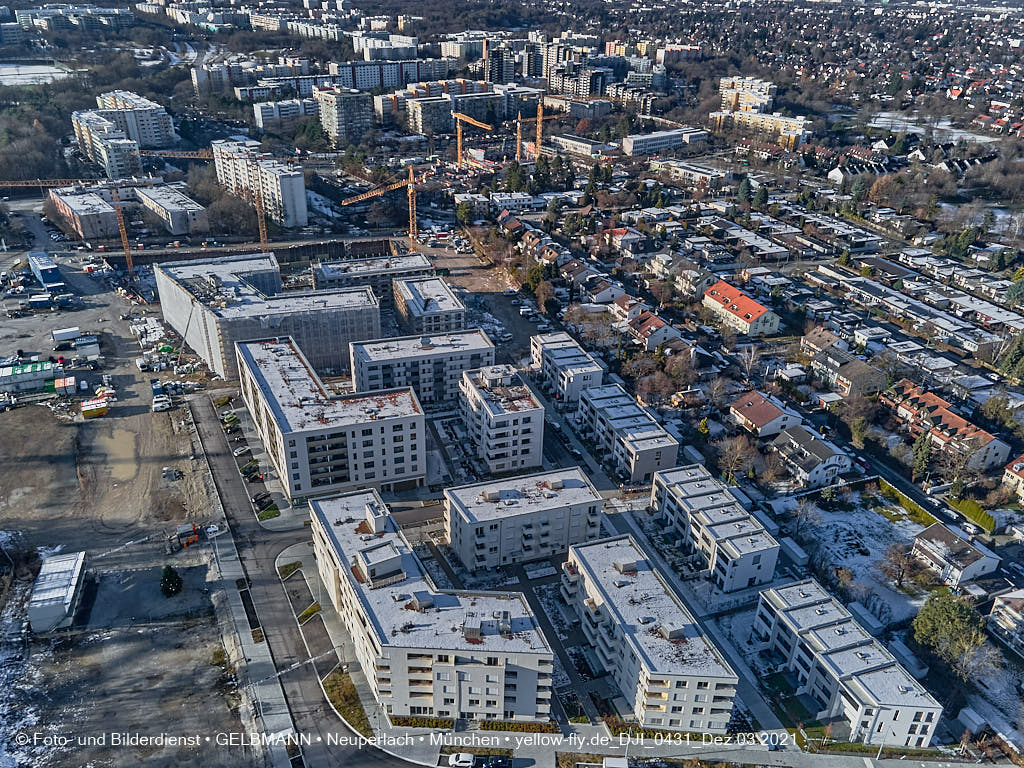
pixel 717 390
pixel 749 359
pixel 743 193
pixel 661 290
pixel 761 198
pixel 949 627
pixel 866 270
pixel 805 513
pixel 898 563
pixel 858 432
pixel 680 368
pixel 735 456
pixel 545 294
pixel 656 387
pixel 534 276
pixel 170 582
pixel 464 213
pixel 922 456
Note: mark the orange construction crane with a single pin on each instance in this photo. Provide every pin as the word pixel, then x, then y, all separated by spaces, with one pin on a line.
pixel 540 118
pixel 410 185
pixel 459 120
pixel 119 215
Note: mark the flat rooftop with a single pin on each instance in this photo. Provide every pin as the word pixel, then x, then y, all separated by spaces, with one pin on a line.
pixel 57 580
pixel 84 203
pixel 376 265
pixel 298 399
pixel 641 604
pixel 502 390
pixel 523 495
pixel 404 347
pixel 227 288
pixel 426 295
pixel 171 198
pixel 388 609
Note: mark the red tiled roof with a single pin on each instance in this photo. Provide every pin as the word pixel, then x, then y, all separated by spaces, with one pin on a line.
pixel 755 409
pixel 735 301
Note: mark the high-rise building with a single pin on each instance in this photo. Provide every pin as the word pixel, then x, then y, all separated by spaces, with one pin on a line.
pixel 499 64
pixel 430 115
pixel 243 171
pixel 345 114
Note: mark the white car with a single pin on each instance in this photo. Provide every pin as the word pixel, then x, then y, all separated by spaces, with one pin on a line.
pixel 161 404
pixel 460 760
pixel 241 451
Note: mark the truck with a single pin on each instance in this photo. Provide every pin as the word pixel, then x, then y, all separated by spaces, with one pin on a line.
pixel 156 386
pixel 65 334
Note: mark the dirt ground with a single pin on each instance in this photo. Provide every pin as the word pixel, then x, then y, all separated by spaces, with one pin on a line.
pixel 143 663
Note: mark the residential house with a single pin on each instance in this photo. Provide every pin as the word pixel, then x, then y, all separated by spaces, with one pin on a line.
pixel 1013 476
pixel 953 557
pixel 736 310
pixel 813 462
pixel 925 412
pixel 763 415
pixel 1006 619
pixel 626 308
pixel 848 375
pixel 650 331
pixel 819 339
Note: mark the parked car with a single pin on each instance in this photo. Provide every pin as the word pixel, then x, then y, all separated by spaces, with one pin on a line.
pixel 241 451
pixel 264 503
pixel 227 414
pixel 259 497
pixel 460 760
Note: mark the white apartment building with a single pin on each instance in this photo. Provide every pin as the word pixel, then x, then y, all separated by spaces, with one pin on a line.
pixel 429 115
pixel 275 115
pixel 141 119
pixel 625 433
pixel 734 309
pixel 431 365
pixel 666 668
pixel 846 671
pixel 564 367
pixel 321 443
pixel 243 172
pixel 427 305
pixel 378 272
pixel 1006 619
pixel 728 541
pixel 178 212
pixel 104 143
pixel 521 518
pixel 663 141
pixel 423 651
pixel 504 419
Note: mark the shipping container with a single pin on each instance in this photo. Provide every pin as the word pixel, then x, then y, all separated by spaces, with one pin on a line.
pixel 66 334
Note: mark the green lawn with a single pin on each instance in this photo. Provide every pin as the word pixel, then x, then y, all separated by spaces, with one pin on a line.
pixel 342 693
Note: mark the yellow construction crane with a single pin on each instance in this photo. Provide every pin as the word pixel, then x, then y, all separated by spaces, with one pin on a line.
pixel 540 118
pixel 119 215
pixel 410 185
pixel 459 120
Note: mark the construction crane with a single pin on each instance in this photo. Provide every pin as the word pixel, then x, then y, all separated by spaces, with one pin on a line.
pixel 540 118
pixel 459 120
pixel 119 215
pixel 410 185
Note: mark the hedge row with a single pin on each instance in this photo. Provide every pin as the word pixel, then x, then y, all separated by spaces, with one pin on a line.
pixel 516 726
pixel 896 496
pixel 440 723
pixel 972 510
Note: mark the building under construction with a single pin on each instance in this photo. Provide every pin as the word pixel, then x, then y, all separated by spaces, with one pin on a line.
pixel 214 304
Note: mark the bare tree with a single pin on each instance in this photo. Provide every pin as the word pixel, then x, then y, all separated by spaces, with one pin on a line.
pixel 717 390
pixel 805 514
pixel 735 456
pixel 898 564
pixel 749 359
pixel 972 655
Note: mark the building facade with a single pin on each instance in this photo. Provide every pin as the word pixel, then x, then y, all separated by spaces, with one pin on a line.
pixel 243 172
pixel 670 674
pixel 734 309
pixel 431 365
pixel 564 368
pixel 504 419
pixel 321 443
pixel 345 114
pixel 427 305
pixel 426 652
pixel 726 540
pixel 625 433
pixel 179 213
pixel 521 518
pixel 377 272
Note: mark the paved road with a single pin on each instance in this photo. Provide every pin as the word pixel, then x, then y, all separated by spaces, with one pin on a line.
pixel 258 550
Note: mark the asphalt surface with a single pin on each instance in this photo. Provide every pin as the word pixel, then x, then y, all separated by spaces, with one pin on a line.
pixel 258 550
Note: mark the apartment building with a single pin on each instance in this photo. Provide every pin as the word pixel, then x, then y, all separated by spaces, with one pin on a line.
pixel 1006 619
pixel 812 461
pixel 429 115
pixel 748 94
pixel 691 175
pixel 736 310
pixel 179 213
pixel 717 531
pixel 431 365
pixel 368 75
pixel 563 366
pixel 788 131
pixel 922 412
pixel 285 114
pixel 212 304
pixel 427 305
pixel 243 172
pixel 345 114
pixel 322 443
pixel 521 518
pixel 377 272
pixel 664 141
pixel 423 651
pixel 626 434
pixel 848 674
pixel 670 673
pixel 104 143
pixel 504 419
pixel 141 119
pixel 87 213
